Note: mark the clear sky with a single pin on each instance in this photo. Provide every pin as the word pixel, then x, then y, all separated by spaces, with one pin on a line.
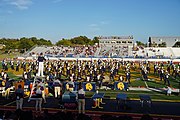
pixel 57 19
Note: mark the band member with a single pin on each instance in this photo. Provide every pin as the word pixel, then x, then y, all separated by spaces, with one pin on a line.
pixel 5 76
pixel 70 84
pixel 57 87
pixel 121 78
pixel 166 79
pixel 41 59
pixel 128 76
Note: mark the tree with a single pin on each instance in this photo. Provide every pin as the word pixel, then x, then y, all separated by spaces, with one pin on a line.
pixel 163 44
pixel 95 40
pixel 81 40
pixel 139 43
pixel 64 42
pixel 25 43
pixel 177 44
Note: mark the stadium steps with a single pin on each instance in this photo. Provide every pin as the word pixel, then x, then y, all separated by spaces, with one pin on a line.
pixel 97 52
pixel 176 52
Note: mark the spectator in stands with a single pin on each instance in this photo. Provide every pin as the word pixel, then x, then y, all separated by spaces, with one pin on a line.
pixel 81 100
pixel 41 59
pixel 19 97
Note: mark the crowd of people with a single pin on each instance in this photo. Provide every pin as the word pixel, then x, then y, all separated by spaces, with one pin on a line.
pixel 90 70
pixel 114 50
pixel 74 51
pixel 56 72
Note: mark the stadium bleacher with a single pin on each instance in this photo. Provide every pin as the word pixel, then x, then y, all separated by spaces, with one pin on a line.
pixel 104 51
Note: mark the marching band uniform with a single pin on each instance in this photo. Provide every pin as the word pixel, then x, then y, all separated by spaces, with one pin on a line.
pixel 41 59
pixel 12 65
pixel 121 78
pixel 2 74
pixel 128 77
pixel 57 88
pixel 177 72
pixel 161 74
pixel 5 76
pixel 167 78
pixel 71 84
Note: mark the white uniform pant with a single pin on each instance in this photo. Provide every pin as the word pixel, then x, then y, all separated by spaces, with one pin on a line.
pixel 41 68
pixel 57 91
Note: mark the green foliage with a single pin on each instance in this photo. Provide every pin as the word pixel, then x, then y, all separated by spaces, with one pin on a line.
pixel 80 40
pixel 23 43
pixel 139 43
pixel 177 44
pixel 95 40
pixel 64 42
pixel 163 44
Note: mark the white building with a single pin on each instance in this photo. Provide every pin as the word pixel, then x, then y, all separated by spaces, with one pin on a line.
pixel 116 40
pixel 119 46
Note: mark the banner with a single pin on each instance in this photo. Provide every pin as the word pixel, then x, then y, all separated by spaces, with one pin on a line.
pixel 89 86
pixel 120 86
